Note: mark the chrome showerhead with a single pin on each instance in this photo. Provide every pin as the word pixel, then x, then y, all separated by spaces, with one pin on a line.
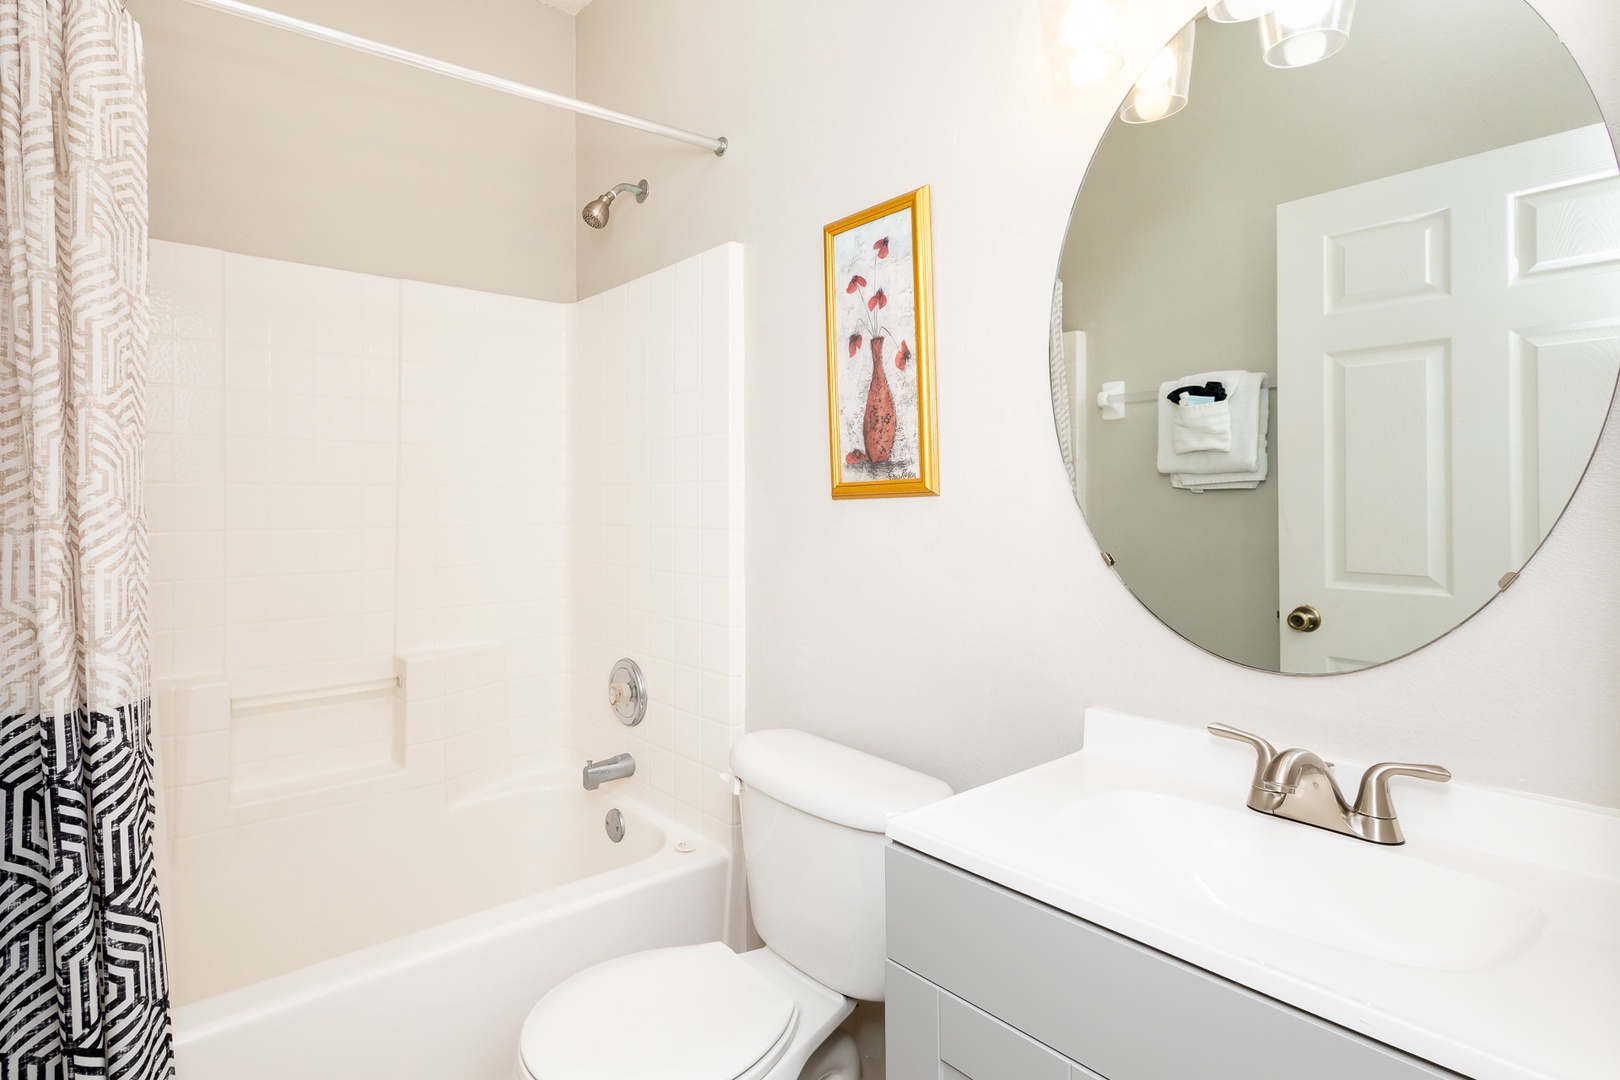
pixel 596 211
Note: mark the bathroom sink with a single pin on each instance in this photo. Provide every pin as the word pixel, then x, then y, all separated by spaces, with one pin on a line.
pixel 1138 848
pixel 1488 943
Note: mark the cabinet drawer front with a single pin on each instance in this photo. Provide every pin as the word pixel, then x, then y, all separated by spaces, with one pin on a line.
pixel 1116 1006
pixel 910 1025
pixel 932 1035
pixel 980 1047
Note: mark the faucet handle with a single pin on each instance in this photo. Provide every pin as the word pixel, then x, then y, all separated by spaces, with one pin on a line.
pixel 1264 751
pixel 1373 799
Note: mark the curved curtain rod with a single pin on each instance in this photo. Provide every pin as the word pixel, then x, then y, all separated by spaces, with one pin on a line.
pixel 455 71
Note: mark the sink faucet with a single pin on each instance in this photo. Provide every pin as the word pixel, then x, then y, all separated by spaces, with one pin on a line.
pixel 1296 784
pixel 614 768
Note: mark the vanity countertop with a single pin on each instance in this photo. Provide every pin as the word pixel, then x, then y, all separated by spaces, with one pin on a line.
pixel 1488 944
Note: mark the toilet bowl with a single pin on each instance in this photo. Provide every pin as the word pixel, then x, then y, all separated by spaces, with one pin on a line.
pixel 813 820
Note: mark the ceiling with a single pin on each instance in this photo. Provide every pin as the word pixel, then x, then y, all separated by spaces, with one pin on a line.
pixel 572 7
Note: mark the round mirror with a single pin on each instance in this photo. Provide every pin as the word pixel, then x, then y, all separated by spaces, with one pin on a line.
pixel 1337 323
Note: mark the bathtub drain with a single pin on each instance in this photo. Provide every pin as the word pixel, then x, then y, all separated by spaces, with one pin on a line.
pixel 614 825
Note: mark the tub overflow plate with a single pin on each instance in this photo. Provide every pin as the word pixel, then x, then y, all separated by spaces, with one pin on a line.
pixel 614 824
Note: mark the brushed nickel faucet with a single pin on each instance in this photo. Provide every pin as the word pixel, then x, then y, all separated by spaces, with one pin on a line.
pixel 1296 784
pixel 614 768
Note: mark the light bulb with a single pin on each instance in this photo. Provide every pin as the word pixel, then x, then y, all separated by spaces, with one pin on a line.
pixel 1150 107
pixel 1303 49
pixel 1092 66
pixel 1161 72
pixel 1302 12
pixel 1162 90
pixel 1236 11
pixel 1302 32
pixel 1088 25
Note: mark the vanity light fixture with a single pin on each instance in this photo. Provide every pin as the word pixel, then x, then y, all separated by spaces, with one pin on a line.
pixel 1090 29
pixel 1162 89
pixel 1301 32
pixel 1236 11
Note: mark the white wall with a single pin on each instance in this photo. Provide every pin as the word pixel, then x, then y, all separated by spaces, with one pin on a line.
pixel 267 143
pixel 964 635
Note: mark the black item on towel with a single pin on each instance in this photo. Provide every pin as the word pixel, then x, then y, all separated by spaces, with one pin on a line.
pixel 1209 389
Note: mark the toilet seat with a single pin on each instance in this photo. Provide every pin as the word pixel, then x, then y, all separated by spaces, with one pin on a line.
pixel 696 1012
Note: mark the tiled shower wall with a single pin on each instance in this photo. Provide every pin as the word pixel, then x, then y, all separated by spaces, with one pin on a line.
pixel 346 475
pixel 384 556
pixel 657 525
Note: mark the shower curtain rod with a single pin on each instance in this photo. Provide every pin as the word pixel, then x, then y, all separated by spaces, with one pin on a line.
pixel 455 71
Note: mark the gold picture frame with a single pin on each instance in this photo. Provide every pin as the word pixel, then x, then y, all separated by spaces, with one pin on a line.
pixel 880 424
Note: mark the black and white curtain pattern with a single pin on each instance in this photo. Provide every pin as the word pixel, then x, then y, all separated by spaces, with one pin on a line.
pixel 83 990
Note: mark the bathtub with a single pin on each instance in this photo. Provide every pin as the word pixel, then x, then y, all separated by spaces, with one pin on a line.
pixel 413 950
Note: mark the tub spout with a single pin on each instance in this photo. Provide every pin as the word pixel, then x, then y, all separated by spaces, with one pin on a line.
pixel 614 768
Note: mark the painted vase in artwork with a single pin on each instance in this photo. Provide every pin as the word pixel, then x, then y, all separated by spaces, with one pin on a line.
pixel 878 425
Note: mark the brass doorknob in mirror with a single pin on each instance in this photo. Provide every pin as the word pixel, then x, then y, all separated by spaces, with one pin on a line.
pixel 1304 619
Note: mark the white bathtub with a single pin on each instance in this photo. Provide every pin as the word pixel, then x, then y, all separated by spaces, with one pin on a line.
pixel 445 998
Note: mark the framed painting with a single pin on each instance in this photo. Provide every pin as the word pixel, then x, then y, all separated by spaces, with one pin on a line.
pixel 880 351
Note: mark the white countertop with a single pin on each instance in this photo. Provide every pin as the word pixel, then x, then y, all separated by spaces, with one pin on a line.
pixel 1521 982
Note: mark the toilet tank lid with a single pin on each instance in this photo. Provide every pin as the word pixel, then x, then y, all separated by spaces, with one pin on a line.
pixel 829 780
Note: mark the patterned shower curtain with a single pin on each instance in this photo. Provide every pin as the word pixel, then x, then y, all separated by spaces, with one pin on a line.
pixel 83 991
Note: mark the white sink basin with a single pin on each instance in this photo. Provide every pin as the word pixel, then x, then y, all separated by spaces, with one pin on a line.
pixel 1489 943
pixel 1139 848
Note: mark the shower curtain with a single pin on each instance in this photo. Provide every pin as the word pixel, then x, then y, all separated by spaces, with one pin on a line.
pixel 83 991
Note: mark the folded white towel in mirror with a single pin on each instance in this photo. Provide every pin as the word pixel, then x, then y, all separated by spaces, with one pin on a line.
pixel 1235 481
pixel 1201 424
pixel 1247 417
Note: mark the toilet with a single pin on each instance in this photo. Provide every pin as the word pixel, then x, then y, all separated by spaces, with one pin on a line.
pixel 813 820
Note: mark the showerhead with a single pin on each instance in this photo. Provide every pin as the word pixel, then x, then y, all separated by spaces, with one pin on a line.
pixel 596 211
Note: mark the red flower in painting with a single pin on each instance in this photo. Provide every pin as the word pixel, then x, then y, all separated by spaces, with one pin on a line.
pixel 879 422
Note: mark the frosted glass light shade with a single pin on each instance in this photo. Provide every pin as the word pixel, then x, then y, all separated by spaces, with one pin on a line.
pixel 1301 32
pixel 1162 89
pixel 1091 29
pixel 1236 11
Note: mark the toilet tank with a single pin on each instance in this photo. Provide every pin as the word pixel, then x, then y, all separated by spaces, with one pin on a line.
pixel 813 817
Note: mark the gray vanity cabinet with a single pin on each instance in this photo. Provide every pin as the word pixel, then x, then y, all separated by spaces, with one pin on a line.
pixel 987 984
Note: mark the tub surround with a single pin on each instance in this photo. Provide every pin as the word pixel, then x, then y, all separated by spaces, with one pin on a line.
pixel 400 533
pixel 655 387
pixel 1486 945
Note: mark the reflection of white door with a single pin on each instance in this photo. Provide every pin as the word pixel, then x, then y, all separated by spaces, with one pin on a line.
pixel 1448 341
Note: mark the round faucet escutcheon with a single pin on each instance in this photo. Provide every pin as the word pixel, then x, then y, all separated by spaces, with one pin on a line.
pixel 627 692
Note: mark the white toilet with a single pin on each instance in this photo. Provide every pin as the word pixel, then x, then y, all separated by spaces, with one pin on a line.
pixel 813 817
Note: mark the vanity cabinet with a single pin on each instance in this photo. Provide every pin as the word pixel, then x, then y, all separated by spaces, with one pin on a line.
pixel 987 984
